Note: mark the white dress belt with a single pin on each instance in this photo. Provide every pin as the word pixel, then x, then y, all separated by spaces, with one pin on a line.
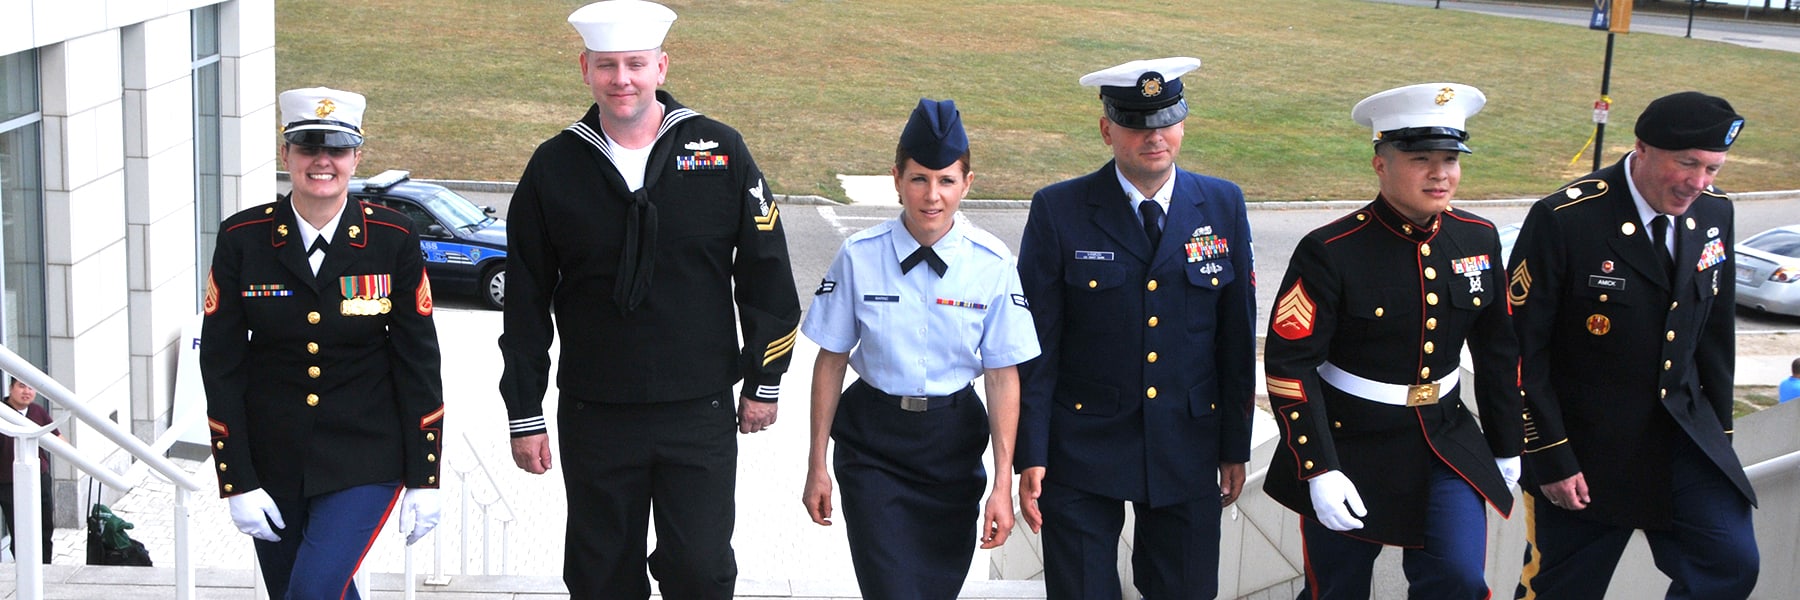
pixel 1389 393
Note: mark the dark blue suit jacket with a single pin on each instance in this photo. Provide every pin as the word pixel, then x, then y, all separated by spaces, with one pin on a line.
pixel 1147 374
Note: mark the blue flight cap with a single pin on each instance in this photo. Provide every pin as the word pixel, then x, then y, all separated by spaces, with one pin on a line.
pixel 1144 94
pixel 934 134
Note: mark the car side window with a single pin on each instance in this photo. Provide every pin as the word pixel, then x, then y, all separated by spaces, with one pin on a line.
pixel 422 220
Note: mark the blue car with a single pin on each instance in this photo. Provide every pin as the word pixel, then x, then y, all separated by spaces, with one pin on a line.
pixel 464 244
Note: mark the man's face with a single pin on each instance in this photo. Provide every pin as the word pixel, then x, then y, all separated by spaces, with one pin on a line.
pixel 320 173
pixel 1143 154
pixel 20 394
pixel 624 83
pixel 1671 180
pixel 1418 184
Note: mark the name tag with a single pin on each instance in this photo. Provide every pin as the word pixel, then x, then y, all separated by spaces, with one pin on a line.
pixel 1092 255
pixel 880 298
pixel 1606 283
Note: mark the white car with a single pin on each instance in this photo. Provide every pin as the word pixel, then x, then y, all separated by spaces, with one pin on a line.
pixel 1768 271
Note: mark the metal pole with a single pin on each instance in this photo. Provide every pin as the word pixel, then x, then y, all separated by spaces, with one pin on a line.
pixel 1605 86
pixel 1690 31
pixel 27 515
pixel 184 542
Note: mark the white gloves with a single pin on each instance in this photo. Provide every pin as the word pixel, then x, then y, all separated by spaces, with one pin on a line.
pixel 1331 491
pixel 1510 468
pixel 419 512
pixel 252 512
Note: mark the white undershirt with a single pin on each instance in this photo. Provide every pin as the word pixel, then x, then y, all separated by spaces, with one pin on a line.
pixel 631 163
pixel 1161 197
pixel 308 233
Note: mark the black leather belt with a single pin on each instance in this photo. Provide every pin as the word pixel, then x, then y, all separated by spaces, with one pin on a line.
pixel 915 403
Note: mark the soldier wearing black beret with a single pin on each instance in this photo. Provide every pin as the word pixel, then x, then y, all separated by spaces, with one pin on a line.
pixel 1622 292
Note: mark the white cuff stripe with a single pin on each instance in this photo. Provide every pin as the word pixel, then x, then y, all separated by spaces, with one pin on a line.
pixel 768 391
pixel 527 424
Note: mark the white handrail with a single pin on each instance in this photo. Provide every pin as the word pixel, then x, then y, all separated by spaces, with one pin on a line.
pixel 61 449
pixel 54 391
pixel 1764 469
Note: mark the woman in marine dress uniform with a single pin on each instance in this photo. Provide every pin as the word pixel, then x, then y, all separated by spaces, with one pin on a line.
pixel 927 302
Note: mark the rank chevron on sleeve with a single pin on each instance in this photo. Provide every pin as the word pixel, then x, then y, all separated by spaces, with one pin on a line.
pixel 1294 313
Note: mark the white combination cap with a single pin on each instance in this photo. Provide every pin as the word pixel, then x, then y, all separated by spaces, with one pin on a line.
pixel 1144 94
pixel 322 117
pixel 1426 116
pixel 622 25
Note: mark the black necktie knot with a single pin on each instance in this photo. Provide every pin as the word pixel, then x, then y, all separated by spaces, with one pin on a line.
pixel 1152 214
pixel 927 255
pixel 319 244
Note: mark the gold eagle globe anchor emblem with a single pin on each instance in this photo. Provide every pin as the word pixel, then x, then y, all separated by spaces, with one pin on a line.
pixel 1445 95
pixel 326 107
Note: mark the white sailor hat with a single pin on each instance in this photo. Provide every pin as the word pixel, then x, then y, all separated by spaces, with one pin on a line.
pixel 622 25
pixel 322 117
pixel 1426 116
pixel 1144 94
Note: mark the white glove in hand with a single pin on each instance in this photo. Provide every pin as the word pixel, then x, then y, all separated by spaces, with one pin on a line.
pixel 418 513
pixel 252 512
pixel 1331 492
pixel 1510 468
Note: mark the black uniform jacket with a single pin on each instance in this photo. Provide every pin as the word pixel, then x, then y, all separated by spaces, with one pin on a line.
pixel 1618 361
pixel 717 232
pixel 1392 302
pixel 317 384
pixel 1147 376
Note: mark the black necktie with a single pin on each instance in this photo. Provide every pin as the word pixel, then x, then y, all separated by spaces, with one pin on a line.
pixel 1659 235
pixel 1152 213
pixel 929 256
pixel 319 244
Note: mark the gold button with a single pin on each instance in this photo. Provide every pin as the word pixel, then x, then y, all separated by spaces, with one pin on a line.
pixel 430 437
pixel 1430 273
pixel 1604 297
pixel 1661 393
pixel 219 445
pixel 221 467
pixel 1077 406
pixel 1151 357
pixel 1360 216
pixel 312 372
pixel 1431 298
pixel 1150 286
pixel 1308 464
pixel 1425 249
pixel 1215 282
pixel 1672 305
pixel 1425 373
pixel 227 487
pixel 1430 347
pixel 1667 364
pixel 1214 406
pixel 1294 416
pixel 1152 321
pixel 1150 392
pixel 312 347
pixel 1670 336
pixel 431 479
pixel 1379 311
pixel 313 317
pixel 1406 228
pixel 1478 300
pixel 312 399
pixel 431 458
pixel 1301 440
pixel 1431 323
pixel 1093 284
pixel 1337 424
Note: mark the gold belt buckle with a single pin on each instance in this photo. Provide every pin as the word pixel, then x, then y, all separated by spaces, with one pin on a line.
pixel 1423 394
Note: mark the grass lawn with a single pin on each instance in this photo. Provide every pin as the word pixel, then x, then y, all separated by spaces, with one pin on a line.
pixel 465 89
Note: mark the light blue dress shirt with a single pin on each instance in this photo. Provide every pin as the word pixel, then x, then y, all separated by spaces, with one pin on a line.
pixel 915 334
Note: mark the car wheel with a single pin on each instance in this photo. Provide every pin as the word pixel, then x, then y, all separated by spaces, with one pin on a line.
pixel 493 286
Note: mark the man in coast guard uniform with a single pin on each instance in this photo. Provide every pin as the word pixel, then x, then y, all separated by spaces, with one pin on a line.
pixel 644 235
pixel 320 362
pixel 1378 446
pixel 1623 295
pixel 1139 277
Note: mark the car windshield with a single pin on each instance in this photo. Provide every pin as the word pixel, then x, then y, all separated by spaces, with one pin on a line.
pixel 1779 241
pixel 456 210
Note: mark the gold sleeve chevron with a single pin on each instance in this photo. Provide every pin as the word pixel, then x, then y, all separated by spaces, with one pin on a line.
pixel 767 222
pixel 1521 284
pixel 781 346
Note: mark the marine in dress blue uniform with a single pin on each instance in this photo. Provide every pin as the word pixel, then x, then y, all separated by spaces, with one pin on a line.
pixel 1378 447
pixel 1623 298
pixel 1141 286
pixel 918 306
pixel 644 240
pixel 320 362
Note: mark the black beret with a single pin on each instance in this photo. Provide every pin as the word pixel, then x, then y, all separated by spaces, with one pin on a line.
pixel 1689 120
pixel 934 136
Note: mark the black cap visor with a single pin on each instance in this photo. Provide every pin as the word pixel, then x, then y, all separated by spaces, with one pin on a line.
pixel 1147 119
pixel 323 138
pixel 1421 139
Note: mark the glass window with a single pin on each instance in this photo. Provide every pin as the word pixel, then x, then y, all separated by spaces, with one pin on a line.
pixel 22 210
pixel 208 183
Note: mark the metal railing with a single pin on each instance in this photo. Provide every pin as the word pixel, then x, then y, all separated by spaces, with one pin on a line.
pixel 26 493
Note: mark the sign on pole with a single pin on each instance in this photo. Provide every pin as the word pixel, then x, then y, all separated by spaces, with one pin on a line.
pixel 1612 16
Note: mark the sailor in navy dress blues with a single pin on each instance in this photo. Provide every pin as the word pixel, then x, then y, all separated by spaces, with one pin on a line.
pixel 1378 447
pixel 919 306
pixel 1140 278
pixel 1623 287
pixel 320 362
